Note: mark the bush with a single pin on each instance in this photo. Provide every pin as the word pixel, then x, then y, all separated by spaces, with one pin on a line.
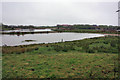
pixel 23 50
pixel 64 48
pixel 90 51
pixel 57 48
pixel 113 44
pixel 36 48
pixel 18 52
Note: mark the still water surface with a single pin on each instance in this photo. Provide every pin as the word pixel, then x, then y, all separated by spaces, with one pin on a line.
pixel 13 40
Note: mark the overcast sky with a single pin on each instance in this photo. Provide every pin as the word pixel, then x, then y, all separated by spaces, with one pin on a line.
pixel 52 12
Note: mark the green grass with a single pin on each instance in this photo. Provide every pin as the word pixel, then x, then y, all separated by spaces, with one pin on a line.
pixel 75 65
pixel 88 58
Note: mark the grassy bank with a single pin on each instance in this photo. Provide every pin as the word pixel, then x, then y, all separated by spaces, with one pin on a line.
pixel 88 58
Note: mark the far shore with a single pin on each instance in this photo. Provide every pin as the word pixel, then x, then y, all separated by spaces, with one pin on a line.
pixel 22 33
pixel 28 32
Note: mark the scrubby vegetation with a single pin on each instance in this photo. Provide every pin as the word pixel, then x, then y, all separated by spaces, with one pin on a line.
pixel 88 58
pixel 88 31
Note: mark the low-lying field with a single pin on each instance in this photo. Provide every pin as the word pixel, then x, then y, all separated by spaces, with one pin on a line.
pixel 88 58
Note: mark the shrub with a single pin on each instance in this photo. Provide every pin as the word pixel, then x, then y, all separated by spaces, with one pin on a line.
pixel 23 50
pixel 90 51
pixel 18 52
pixel 57 48
pixel 65 50
pixel 36 48
pixel 113 44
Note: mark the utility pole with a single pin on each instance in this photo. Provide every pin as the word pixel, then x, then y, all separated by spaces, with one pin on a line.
pixel 118 13
pixel 118 40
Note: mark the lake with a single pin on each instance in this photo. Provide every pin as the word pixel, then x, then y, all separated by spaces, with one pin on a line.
pixel 14 40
